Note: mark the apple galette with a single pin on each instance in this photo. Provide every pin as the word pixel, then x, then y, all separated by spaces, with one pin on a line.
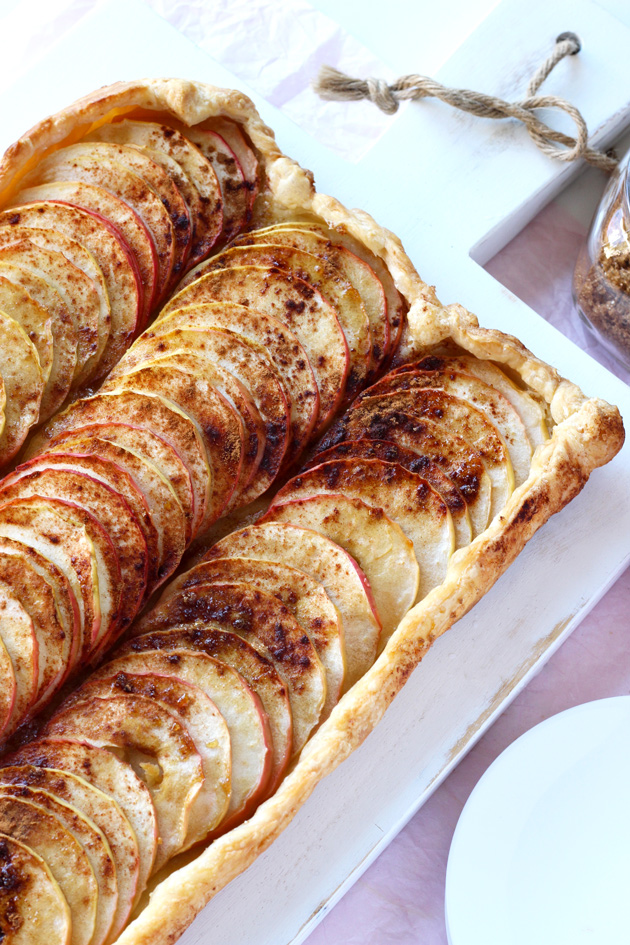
pixel 354 463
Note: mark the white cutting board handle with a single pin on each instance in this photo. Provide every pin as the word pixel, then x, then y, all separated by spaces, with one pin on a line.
pixel 506 179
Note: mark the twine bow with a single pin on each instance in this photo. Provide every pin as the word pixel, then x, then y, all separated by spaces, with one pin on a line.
pixel 336 86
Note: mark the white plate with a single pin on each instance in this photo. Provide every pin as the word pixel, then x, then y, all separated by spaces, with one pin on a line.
pixel 541 852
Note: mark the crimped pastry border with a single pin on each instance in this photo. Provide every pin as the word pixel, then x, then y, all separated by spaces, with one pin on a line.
pixel 587 434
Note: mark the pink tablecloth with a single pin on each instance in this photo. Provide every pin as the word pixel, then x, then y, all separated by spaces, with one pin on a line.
pixel 400 899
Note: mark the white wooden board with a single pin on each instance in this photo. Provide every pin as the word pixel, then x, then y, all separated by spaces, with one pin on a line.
pixel 446 187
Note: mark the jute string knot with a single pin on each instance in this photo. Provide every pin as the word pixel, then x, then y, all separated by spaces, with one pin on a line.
pixel 334 85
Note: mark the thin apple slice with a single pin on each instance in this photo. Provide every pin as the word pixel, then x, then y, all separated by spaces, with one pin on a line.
pixel 457 416
pixel 82 164
pixel 529 408
pixel 41 525
pixel 234 190
pixel 107 583
pixel 23 384
pixel 159 179
pixel 165 527
pixel 427 438
pixel 44 478
pixel 66 605
pixel 257 671
pixel 97 807
pixel 424 466
pixel 92 840
pixel 124 290
pixel 264 622
pixel 154 413
pixel 76 290
pixel 184 226
pixel 201 191
pixel 42 832
pixel 405 497
pixel 105 772
pixel 354 269
pixel 20 641
pixel 244 781
pixel 64 333
pixel 328 564
pixel 340 237
pixel 67 246
pixel 33 909
pixel 379 545
pixel 154 449
pixel 136 514
pixel 34 319
pixel 297 305
pixel 485 399
pixel 301 595
pixel 36 596
pixel 233 136
pixel 249 363
pixel 334 288
pixel 196 713
pixel 173 425
pixel 8 687
pixel 119 216
pixel 105 555
pixel 285 351
pixel 218 423
pixel 251 426
pixel 145 445
pixel 144 185
pixel 83 283
pixel 33 510
pixel 154 744
pixel 201 364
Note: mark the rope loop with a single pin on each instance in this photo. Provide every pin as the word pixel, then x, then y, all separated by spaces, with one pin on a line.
pixel 336 86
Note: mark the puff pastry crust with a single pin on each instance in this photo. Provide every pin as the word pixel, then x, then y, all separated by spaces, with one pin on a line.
pixel 586 433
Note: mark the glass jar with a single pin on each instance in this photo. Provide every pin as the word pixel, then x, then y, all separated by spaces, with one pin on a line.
pixel 601 282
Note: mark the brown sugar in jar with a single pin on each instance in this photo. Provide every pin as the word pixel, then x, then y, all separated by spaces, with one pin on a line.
pixel 601 283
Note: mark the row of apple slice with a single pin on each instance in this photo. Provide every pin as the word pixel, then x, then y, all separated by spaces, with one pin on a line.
pixel 223 682
pixel 282 327
pixel 87 531
pixel 418 466
pixel 78 834
pixel 208 716
pixel 465 417
pixel 182 734
pixel 187 189
pixel 100 233
pixel 200 415
pixel 126 474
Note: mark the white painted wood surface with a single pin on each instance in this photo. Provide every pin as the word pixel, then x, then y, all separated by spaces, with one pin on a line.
pixel 448 185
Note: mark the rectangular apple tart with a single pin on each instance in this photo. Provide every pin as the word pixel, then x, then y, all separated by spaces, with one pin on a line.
pixel 355 463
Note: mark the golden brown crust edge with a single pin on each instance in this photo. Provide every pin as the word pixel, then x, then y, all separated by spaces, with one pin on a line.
pixel 587 434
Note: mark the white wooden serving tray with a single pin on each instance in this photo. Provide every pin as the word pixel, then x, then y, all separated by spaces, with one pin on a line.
pixel 453 188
